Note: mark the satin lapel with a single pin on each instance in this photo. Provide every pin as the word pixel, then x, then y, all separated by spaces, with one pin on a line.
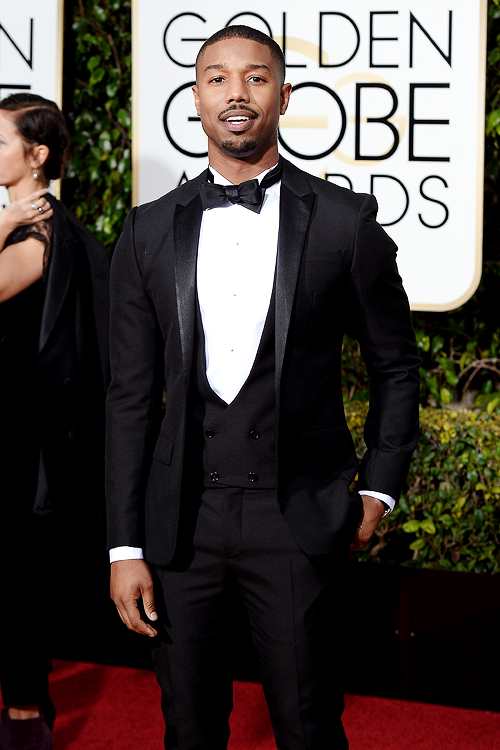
pixel 59 276
pixel 187 222
pixel 295 214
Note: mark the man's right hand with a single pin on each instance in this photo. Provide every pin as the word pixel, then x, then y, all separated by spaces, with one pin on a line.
pixel 131 580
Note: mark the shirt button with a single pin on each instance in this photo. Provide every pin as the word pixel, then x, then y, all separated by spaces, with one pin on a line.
pixel 252 477
pixel 255 434
pixel 214 476
pixel 209 433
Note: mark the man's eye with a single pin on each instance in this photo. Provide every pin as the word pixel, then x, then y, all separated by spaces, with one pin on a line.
pixel 256 78
pixel 217 79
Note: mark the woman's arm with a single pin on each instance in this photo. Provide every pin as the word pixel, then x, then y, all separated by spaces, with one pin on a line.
pixel 21 264
pixel 21 212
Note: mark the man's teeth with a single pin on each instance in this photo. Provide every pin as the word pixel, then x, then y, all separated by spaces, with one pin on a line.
pixel 237 119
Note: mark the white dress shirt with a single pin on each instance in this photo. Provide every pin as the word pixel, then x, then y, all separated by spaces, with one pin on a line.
pixel 235 274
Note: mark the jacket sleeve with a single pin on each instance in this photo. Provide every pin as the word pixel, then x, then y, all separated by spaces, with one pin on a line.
pixel 132 395
pixel 380 317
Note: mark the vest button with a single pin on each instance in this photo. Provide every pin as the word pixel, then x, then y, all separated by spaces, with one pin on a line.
pixel 209 433
pixel 252 477
pixel 255 434
pixel 214 476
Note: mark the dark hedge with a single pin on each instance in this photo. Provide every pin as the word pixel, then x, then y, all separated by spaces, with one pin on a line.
pixel 449 517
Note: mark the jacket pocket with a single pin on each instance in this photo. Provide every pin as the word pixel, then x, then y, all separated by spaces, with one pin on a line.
pixel 327 451
pixel 163 449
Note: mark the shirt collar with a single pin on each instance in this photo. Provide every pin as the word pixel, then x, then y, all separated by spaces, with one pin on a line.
pixel 220 180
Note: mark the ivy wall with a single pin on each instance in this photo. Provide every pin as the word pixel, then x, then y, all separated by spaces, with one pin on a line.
pixel 97 106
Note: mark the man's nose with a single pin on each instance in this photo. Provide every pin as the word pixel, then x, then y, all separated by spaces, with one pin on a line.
pixel 237 92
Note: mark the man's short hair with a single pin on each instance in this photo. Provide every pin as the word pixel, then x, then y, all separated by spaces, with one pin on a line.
pixel 246 32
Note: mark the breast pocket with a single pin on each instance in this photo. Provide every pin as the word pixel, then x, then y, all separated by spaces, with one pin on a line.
pixel 324 273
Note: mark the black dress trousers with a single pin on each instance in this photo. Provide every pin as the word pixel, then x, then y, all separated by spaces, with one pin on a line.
pixel 25 565
pixel 296 611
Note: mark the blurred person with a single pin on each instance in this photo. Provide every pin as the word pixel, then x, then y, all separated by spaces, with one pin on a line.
pixel 53 374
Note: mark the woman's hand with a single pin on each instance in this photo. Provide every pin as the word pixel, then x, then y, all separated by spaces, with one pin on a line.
pixel 21 212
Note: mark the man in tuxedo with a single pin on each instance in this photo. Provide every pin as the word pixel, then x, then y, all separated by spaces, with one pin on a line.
pixel 234 290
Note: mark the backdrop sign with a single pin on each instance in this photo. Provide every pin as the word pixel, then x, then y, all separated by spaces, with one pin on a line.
pixel 31 51
pixel 388 98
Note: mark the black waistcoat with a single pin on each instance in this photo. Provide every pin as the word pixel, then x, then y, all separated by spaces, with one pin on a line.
pixel 233 445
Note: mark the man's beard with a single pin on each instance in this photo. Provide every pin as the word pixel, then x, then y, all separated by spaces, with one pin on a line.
pixel 239 147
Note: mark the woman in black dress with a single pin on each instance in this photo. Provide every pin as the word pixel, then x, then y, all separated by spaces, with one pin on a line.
pixel 53 374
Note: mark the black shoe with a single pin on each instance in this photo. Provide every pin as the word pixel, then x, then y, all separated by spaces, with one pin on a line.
pixel 24 734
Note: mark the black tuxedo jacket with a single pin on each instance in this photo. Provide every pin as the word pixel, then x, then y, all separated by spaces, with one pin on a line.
pixel 336 270
pixel 72 369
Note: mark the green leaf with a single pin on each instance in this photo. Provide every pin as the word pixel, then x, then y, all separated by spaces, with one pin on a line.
pixel 424 342
pixel 100 13
pixel 493 121
pixel 403 504
pixel 94 62
pixel 112 89
pixel 104 141
pixel 465 359
pixel 123 118
pixel 445 564
pixel 492 405
pixel 79 25
pixel 428 526
pixel 445 395
pixel 411 527
pixel 494 56
pixel 418 544
pixel 447 520
pixel 437 344
pixel 97 76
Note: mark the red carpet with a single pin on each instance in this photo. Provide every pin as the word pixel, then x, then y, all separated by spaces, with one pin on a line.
pixel 115 708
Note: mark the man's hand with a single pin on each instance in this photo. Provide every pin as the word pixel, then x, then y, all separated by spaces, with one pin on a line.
pixel 131 580
pixel 373 510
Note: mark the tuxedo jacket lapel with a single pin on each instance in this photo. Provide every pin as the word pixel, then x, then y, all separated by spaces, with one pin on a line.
pixel 296 203
pixel 187 223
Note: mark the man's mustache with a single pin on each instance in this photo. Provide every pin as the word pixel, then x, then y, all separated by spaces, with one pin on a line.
pixel 239 108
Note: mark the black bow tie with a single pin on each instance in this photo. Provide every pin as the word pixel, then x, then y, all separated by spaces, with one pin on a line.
pixel 249 194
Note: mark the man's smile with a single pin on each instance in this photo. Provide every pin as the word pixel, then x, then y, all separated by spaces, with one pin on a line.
pixel 237 119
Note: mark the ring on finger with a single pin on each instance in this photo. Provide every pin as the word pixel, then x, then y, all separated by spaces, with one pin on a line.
pixel 33 206
pixel 40 209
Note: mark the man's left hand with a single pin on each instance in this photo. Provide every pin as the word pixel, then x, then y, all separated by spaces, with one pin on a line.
pixel 373 510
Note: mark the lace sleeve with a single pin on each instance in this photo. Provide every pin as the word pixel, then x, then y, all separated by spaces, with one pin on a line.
pixel 40 230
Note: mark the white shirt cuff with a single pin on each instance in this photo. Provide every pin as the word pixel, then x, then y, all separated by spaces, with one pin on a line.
pixel 125 553
pixel 387 499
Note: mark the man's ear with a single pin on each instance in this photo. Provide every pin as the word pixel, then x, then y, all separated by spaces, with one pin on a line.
pixel 196 95
pixel 285 92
